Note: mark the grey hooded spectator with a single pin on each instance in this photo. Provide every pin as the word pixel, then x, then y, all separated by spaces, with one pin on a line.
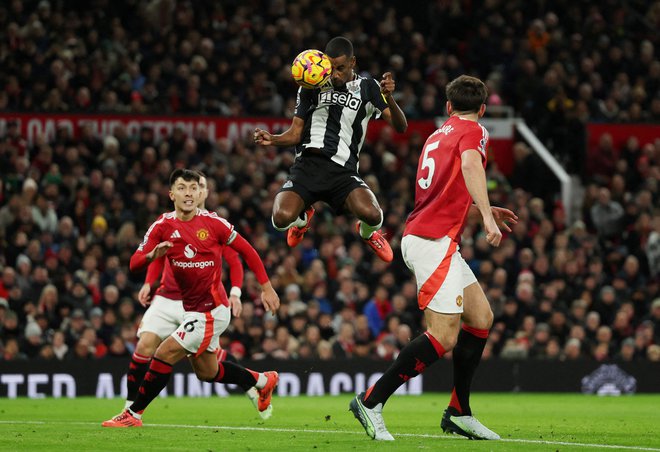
pixel 607 215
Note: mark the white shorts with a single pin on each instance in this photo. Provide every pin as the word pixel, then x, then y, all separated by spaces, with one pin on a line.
pixel 163 317
pixel 440 270
pixel 200 331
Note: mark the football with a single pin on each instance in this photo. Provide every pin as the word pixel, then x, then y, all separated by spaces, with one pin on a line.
pixel 311 69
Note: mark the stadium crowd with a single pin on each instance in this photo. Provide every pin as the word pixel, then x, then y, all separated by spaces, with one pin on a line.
pixel 558 65
pixel 72 211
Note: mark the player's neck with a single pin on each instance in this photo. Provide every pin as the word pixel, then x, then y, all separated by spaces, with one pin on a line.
pixel 186 216
pixel 466 116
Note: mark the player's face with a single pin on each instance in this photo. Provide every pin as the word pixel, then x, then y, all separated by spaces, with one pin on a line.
pixel 185 195
pixel 203 192
pixel 342 70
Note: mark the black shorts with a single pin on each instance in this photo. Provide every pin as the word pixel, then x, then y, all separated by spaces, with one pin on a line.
pixel 317 178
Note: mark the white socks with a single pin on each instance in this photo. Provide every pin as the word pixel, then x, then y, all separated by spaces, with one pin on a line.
pixel 261 381
pixel 300 222
pixel 367 231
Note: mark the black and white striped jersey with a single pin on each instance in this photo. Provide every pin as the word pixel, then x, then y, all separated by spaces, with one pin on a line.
pixel 336 120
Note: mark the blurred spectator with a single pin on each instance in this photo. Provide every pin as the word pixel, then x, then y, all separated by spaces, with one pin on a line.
pixel 33 342
pixel 572 349
pixel 60 348
pixel 653 353
pixel 12 351
pixel 377 309
pixel 607 215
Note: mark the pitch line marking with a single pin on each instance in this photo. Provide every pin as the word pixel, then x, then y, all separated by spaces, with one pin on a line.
pixel 349 432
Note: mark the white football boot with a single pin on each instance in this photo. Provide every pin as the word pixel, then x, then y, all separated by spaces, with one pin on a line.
pixel 371 419
pixel 467 426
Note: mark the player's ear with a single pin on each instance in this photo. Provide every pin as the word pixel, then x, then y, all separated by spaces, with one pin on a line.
pixel 353 60
pixel 171 195
pixel 449 108
pixel 482 110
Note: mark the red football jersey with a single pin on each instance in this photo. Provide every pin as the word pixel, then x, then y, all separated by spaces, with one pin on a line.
pixel 168 287
pixel 196 257
pixel 442 199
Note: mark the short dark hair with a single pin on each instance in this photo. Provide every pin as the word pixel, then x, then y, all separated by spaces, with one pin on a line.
pixel 185 174
pixel 466 94
pixel 339 46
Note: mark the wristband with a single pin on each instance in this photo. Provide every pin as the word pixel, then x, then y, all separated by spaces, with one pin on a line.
pixel 235 292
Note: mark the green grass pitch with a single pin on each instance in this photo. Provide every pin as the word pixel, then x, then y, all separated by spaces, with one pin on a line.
pixel 525 421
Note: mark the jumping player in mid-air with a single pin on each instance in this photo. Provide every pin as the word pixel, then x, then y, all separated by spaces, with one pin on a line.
pixel 328 130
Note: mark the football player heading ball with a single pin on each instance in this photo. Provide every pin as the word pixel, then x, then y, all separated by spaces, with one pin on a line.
pixel 328 130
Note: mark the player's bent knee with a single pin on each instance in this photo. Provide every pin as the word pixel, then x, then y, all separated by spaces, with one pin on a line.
pixel 205 376
pixel 482 322
pixel 447 339
pixel 489 319
pixel 147 344
pixel 284 217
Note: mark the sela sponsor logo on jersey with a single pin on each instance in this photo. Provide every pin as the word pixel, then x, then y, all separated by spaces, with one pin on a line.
pixel 343 99
pixel 190 251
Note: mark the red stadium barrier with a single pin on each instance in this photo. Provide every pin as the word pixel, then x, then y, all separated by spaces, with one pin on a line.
pixel 645 133
pixel 33 125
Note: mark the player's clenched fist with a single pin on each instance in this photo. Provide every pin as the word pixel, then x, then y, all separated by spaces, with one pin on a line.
pixel 262 137
pixel 493 233
pixel 387 84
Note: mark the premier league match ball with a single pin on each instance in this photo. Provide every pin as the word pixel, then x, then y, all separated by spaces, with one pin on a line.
pixel 311 69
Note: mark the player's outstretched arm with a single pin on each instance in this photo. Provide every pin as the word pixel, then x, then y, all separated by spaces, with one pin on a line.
pixel 268 295
pixel 393 115
pixel 475 180
pixel 290 137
